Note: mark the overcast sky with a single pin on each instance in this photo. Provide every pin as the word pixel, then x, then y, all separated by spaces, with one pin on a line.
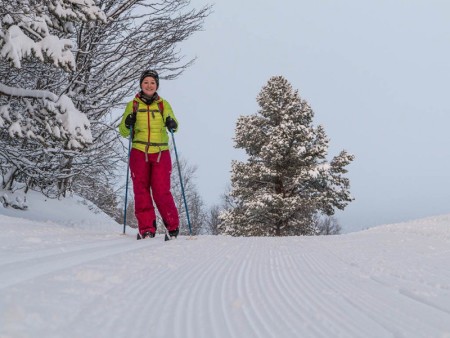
pixel 376 73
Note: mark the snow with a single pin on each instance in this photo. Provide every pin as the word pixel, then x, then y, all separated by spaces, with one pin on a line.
pixel 88 7
pixel 66 271
pixel 25 34
pixel 75 124
pixel 18 46
pixel 58 50
pixel 14 91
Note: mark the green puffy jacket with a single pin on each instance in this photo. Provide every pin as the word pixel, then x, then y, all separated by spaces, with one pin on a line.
pixel 150 133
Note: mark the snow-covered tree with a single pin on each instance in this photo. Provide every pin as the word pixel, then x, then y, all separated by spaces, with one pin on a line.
pixel 67 64
pixel 40 127
pixel 287 179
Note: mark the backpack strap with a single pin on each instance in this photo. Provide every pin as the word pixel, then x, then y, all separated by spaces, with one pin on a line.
pixel 135 106
pixel 161 108
pixel 135 110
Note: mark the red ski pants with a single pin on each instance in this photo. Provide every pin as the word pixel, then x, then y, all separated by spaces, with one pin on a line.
pixel 151 182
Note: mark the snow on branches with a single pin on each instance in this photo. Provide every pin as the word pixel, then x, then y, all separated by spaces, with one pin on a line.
pixel 38 33
pixel 28 29
pixel 41 128
pixel 287 179
pixel 65 67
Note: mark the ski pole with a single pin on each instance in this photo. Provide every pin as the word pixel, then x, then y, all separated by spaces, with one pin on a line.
pixel 181 183
pixel 126 185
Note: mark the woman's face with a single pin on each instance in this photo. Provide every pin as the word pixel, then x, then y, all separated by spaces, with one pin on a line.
pixel 149 86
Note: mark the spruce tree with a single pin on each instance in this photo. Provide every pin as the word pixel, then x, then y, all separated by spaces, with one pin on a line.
pixel 286 180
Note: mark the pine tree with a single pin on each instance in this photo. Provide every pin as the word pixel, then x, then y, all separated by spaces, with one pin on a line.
pixel 286 180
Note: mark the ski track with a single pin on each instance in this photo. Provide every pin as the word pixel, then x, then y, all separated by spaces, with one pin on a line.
pixel 56 251
pixel 21 269
pixel 220 287
pixel 318 298
pixel 376 302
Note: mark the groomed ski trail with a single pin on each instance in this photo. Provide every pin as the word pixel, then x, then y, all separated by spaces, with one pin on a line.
pixel 92 285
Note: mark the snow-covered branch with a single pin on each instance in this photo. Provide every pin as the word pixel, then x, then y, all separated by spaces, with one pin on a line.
pixel 27 93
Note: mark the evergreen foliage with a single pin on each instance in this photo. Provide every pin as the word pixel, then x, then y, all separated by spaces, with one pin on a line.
pixel 287 179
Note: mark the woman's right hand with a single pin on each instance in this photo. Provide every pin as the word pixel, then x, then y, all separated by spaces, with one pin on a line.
pixel 130 121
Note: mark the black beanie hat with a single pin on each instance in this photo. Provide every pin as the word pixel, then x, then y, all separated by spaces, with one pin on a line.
pixel 149 73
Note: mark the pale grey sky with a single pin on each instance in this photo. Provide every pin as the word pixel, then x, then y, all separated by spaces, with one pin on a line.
pixel 376 73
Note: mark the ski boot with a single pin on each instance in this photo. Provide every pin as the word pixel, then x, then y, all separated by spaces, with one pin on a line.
pixel 172 234
pixel 146 234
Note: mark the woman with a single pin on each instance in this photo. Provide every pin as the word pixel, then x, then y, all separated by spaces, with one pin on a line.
pixel 148 116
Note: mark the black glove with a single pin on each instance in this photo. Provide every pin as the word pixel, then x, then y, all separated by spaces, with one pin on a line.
pixel 130 121
pixel 171 124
